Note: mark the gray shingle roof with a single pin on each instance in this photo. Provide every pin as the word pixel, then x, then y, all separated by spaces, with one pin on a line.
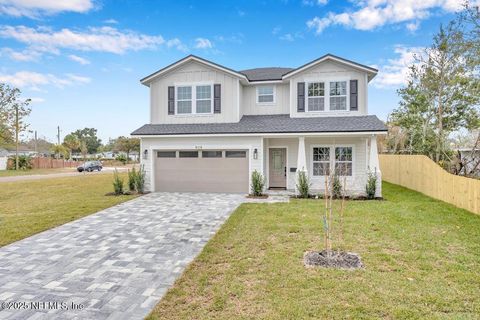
pixel 264 74
pixel 270 124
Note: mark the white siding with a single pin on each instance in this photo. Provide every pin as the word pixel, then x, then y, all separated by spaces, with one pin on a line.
pixel 190 73
pixel 249 104
pixel 192 143
pixel 328 71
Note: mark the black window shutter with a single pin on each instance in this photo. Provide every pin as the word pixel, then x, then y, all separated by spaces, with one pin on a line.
pixel 217 98
pixel 353 95
pixel 301 96
pixel 171 100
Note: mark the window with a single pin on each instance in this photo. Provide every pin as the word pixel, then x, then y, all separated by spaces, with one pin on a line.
pixel 338 95
pixel 321 161
pixel 343 161
pixel 235 154
pixel 204 99
pixel 188 154
pixel 211 154
pixel 316 96
pixel 201 104
pixel 184 100
pixel 265 94
pixel 166 154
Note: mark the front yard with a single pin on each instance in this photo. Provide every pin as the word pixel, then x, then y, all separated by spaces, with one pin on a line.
pixel 29 207
pixel 422 260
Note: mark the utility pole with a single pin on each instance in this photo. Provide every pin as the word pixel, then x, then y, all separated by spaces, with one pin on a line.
pixel 36 142
pixel 58 143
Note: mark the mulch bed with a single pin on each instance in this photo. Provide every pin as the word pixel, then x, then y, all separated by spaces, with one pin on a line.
pixel 336 260
pixel 265 196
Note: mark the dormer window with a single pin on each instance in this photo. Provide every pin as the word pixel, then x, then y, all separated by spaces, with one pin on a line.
pixel 194 99
pixel 265 94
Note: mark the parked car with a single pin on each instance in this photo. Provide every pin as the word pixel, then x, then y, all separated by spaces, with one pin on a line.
pixel 90 166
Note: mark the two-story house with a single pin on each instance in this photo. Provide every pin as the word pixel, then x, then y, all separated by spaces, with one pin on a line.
pixel 211 126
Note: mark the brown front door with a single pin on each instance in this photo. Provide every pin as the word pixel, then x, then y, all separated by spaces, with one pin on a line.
pixel 278 168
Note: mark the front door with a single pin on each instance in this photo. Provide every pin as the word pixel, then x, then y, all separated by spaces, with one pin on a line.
pixel 278 168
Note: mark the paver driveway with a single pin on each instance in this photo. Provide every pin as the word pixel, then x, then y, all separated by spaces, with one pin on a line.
pixel 117 263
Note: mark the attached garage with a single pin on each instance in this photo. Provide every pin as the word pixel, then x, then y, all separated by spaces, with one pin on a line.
pixel 201 171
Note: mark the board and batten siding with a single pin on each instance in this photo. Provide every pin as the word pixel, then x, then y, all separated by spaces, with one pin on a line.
pixel 205 143
pixel 191 73
pixel 330 71
pixel 280 106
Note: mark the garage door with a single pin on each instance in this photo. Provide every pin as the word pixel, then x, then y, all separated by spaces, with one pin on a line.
pixel 201 171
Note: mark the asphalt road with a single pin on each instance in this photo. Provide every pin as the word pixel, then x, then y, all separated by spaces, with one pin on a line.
pixel 58 175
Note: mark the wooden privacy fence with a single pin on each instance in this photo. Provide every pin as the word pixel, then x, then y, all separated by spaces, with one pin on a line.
pixel 420 173
pixel 49 163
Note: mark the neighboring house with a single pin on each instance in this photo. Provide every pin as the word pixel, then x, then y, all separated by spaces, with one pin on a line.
pixel 3 159
pixel 211 126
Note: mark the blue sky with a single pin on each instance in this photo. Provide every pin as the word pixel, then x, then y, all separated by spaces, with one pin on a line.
pixel 81 61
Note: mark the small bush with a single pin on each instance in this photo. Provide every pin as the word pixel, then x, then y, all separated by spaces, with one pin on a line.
pixel 303 185
pixel 24 163
pixel 371 186
pixel 117 183
pixel 258 182
pixel 140 180
pixel 122 158
pixel 132 179
pixel 337 189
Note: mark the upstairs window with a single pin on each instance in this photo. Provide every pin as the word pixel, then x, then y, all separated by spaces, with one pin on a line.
pixel 338 95
pixel 316 96
pixel 265 94
pixel 194 99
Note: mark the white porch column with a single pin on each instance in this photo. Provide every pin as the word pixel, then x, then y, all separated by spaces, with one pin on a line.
pixel 301 157
pixel 374 164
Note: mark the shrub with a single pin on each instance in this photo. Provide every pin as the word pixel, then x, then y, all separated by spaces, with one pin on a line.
pixel 140 180
pixel 117 183
pixel 371 186
pixel 132 179
pixel 337 189
pixel 258 182
pixel 24 163
pixel 303 185
pixel 122 158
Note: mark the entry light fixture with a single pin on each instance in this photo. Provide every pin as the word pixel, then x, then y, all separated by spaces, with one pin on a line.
pixel 255 154
pixel 145 154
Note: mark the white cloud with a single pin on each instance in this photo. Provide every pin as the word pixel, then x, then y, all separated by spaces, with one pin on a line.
pixel 314 2
pixel 35 80
pixel 395 72
pixel 203 43
pixel 371 14
pixel 287 37
pixel 412 26
pixel 110 21
pixel 23 56
pixel 104 39
pixel 36 8
pixel 78 59
pixel 176 43
pixel 37 100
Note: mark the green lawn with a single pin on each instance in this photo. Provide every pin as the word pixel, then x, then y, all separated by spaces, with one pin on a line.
pixel 11 173
pixel 422 260
pixel 28 207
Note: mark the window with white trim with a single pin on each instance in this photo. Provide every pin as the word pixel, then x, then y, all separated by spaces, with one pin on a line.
pixel 316 96
pixel 321 161
pixel 344 161
pixel 194 99
pixel 338 95
pixel 265 94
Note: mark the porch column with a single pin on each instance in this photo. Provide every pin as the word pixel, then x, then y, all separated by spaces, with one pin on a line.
pixel 374 164
pixel 301 157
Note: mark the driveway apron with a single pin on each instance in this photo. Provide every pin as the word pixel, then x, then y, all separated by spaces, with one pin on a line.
pixel 115 264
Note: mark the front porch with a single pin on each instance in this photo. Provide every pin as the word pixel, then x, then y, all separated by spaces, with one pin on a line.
pixel 350 156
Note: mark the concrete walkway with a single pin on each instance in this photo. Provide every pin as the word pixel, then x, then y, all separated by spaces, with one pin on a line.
pixel 115 264
pixel 58 175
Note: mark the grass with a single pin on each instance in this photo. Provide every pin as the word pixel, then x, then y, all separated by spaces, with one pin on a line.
pixel 422 260
pixel 29 207
pixel 11 173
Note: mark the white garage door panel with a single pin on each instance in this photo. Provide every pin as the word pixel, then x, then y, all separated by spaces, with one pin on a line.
pixel 201 174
